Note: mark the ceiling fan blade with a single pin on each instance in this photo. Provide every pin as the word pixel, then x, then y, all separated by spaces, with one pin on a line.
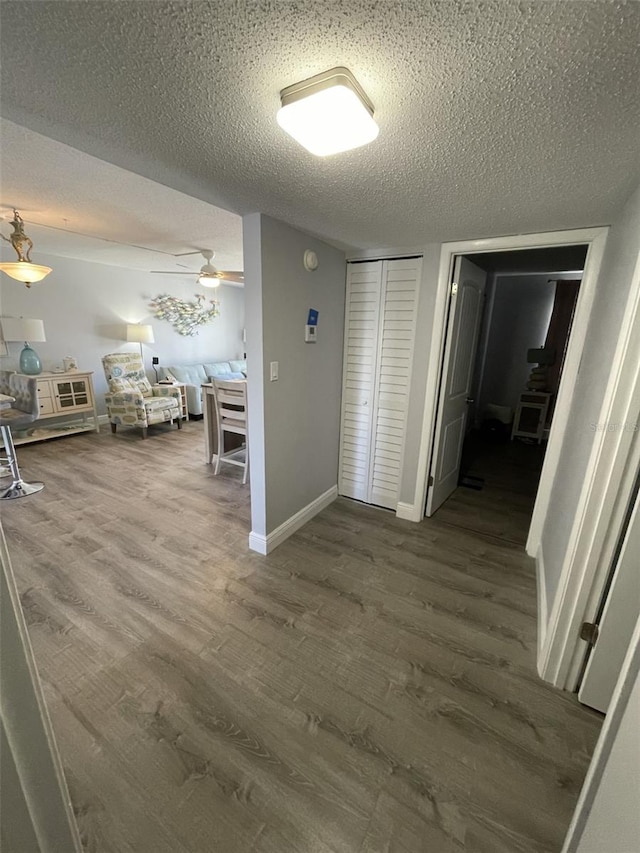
pixel 231 275
pixel 174 272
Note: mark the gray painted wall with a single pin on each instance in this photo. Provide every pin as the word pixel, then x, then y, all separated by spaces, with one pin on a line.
pixel 618 264
pixel 522 307
pixel 300 430
pixel 85 307
pixel 481 350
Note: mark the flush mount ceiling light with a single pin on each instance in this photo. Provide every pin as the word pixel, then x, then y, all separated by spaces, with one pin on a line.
pixel 328 113
pixel 23 269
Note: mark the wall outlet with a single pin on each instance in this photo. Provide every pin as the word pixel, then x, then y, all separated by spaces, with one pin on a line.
pixel 155 360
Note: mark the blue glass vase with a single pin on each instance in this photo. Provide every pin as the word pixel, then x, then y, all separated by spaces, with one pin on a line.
pixel 30 361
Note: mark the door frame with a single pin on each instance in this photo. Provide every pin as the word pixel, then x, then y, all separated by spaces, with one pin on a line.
pixel 608 768
pixel 604 499
pixel 560 650
pixel 595 240
pixel 41 787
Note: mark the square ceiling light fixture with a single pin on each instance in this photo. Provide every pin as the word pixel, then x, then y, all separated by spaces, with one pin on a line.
pixel 328 113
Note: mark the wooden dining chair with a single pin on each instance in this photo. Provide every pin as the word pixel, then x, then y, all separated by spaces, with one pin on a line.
pixel 231 417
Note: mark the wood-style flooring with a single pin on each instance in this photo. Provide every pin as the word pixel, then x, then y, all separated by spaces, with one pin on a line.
pixel 370 687
pixel 509 473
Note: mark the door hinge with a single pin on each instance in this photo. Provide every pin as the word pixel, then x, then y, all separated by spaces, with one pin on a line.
pixel 589 633
pixel 454 288
pixel 430 482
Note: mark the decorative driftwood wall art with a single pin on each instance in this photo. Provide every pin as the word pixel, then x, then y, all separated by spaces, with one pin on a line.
pixel 185 317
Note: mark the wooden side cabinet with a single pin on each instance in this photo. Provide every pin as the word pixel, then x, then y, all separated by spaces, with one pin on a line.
pixel 62 395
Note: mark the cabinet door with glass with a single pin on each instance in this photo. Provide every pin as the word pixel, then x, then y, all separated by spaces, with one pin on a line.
pixel 72 394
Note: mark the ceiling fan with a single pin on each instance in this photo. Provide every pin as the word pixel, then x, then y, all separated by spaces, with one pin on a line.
pixel 208 275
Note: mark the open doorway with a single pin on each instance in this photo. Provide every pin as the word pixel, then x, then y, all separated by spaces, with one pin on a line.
pixel 507 332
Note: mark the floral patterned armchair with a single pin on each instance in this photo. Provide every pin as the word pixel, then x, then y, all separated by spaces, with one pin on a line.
pixel 132 400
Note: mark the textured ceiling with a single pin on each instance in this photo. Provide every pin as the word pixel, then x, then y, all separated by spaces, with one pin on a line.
pixel 77 206
pixel 495 116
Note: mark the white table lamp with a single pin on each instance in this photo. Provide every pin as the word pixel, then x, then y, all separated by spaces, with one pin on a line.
pixel 26 330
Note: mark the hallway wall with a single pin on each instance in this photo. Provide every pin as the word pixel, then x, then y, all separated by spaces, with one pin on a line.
pixel 294 422
pixel 618 265
pixel 522 307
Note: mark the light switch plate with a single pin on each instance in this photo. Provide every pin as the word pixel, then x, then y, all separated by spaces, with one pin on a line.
pixel 274 371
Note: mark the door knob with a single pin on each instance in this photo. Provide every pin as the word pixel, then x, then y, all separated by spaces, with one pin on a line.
pixel 469 400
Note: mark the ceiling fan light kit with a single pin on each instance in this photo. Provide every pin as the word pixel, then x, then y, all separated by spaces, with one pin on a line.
pixel 328 113
pixel 208 280
pixel 208 275
pixel 23 269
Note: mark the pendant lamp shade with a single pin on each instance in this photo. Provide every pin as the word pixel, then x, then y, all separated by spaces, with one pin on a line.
pixel 23 269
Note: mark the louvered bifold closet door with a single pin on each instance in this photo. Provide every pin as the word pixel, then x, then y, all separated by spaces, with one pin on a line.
pixel 397 321
pixel 362 321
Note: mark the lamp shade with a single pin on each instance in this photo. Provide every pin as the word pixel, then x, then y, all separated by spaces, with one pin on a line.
pixel 25 271
pixel 23 329
pixel 208 280
pixel 140 333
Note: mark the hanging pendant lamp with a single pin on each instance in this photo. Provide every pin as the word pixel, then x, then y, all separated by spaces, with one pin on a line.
pixel 23 269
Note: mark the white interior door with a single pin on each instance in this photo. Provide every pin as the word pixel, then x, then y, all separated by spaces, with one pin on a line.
pixel 465 315
pixel 615 627
pixel 362 321
pixel 400 280
pixel 380 320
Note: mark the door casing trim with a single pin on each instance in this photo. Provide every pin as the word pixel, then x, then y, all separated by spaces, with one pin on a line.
pixel 594 239
pixel 556 638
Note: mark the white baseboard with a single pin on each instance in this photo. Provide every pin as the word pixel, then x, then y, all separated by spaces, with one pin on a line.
pixel 266 544
pixel 542 607
pixel 258 543
pixel 409 512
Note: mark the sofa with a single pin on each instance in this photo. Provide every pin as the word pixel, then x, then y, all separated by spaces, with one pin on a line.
pixel 194 375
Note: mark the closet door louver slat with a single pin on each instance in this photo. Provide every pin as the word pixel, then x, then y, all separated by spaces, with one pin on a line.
pixel 362 315
pixel 379 335
pixel 397 331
